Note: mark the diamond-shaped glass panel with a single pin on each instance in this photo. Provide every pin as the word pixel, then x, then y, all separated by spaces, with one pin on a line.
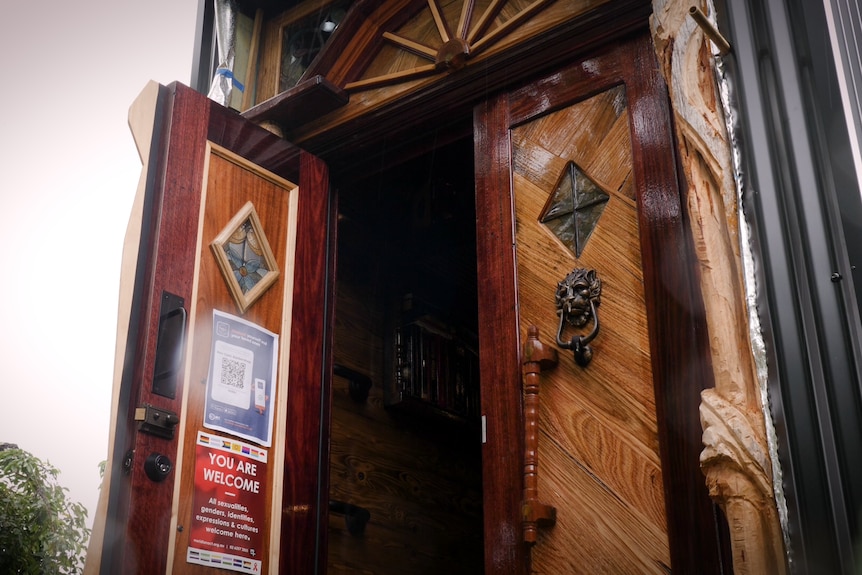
pixel 574 208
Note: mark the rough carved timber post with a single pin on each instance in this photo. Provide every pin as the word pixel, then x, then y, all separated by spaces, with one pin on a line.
pixel 735 459
pixel 535 359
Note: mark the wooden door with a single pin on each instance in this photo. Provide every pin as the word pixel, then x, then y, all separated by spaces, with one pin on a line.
pixel 575 171
pixel 205 168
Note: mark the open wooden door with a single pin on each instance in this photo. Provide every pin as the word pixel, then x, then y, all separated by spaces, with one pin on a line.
pixel 579 210
pixel 219 439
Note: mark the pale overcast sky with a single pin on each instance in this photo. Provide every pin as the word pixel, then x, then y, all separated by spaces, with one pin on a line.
pixel 68 173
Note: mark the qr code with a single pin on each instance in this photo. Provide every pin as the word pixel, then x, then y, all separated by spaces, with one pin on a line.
pixel 233 372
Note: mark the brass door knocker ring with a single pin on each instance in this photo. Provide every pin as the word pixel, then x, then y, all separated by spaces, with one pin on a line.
pixel 577 298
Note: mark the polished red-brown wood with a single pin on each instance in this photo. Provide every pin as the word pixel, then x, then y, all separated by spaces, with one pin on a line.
pixel 358 132
pixel 310 98
pixel 306 492
pixel 499 345
pixel 349 53
pixel 678 339
pixel 536 358
pixel 139 506
pixel 680 356
pixel 137 503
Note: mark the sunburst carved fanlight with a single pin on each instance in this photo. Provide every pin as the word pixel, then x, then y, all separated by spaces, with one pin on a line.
pixel 574 208
pixel 456 47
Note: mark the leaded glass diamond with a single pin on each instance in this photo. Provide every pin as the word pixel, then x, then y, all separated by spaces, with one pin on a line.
pixel 574 208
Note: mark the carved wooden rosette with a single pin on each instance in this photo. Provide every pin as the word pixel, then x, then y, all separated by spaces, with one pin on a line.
pixel 736 460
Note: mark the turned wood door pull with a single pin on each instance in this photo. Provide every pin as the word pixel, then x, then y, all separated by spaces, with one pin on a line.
pixel 535 359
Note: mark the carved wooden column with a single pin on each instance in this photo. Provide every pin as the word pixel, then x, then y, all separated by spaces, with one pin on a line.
pixel 738 474
pixel 735 460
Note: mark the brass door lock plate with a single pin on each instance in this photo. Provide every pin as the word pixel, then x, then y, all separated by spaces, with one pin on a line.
pixel 156 421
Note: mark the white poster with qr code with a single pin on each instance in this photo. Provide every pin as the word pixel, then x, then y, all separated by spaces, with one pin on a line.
pixel 241 382
pixel 232 377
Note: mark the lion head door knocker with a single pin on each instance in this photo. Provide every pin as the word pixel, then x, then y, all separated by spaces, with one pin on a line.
pixel 577 297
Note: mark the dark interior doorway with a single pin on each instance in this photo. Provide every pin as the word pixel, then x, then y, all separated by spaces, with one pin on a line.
pixel 406 316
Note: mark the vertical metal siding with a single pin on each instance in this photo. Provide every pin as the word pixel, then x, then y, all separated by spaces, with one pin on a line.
pixel 795 196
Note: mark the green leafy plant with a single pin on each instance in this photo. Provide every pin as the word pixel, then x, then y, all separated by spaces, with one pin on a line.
pixel 41 530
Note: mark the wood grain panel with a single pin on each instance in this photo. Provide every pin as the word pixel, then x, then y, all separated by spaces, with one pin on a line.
pixel 681 358
pixel 620 465
pixel 610 413
pixel 499 343
pixel 269 70
pixel 600 419
pixel 169 261
pixel 680 369
pixel 558 25
pixel 169 226
pixel 392 59
pixel 422 28
pixel 421 482
pixel 594 74
pixel 357 40
pixel 407 482
pixel 228 187
pixel 306 442
pixel 605 535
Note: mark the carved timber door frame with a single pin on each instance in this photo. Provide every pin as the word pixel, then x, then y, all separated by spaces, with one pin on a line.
pixel 677 335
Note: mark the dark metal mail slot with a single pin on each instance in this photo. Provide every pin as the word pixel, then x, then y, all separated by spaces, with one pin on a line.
pixel 169 346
